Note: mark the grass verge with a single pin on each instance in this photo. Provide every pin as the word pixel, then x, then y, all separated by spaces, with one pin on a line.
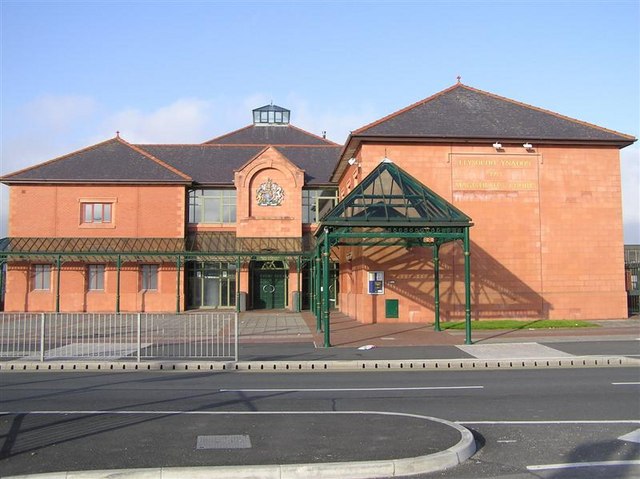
pixel 519 324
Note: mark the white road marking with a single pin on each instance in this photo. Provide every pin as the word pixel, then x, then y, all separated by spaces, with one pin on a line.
pixel 275 390
pixel 506 441
pixel 513 351
pixel 535 423
pixel 569 465
pixel 633 436
pixel 626 384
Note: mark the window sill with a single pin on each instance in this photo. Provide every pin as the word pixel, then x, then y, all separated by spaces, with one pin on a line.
pixel 195 225
pixel 92 226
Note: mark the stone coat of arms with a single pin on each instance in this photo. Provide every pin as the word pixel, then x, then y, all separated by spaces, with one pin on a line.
pixel 270 194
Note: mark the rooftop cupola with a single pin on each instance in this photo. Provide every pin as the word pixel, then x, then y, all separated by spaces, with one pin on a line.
pixel 271 115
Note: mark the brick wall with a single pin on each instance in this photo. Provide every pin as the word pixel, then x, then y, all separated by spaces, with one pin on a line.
pixel 255 221
pixel 546 241
pixel 138 211
pixel 55 211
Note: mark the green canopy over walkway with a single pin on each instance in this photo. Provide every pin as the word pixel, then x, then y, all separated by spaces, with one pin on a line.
pixel 390 208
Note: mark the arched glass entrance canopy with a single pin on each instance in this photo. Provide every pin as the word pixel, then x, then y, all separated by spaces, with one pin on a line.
pixel 390 208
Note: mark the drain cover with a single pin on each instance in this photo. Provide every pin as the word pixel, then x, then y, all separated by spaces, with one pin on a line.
pixel 233 441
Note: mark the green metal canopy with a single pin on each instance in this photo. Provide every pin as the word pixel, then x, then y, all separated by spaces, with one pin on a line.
pixel 389 196
pixel 208 245
pixel 195 246
pixel 390 208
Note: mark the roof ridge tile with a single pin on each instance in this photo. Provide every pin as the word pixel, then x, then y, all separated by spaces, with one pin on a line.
pixel 59 158
pixel 405 109
pixel 226 134
pixel 235 145
pixel 520 104
pixel 312 134
pixel 154 159
pixel 550 112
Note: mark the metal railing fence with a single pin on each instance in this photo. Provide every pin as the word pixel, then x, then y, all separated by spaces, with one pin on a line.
pixel 135 336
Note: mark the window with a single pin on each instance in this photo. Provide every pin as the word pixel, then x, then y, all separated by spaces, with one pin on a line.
pixel 316 204
pixel 42 277
pixel 95 273
pixel 212 206
pixel 96 212
pixel 149 277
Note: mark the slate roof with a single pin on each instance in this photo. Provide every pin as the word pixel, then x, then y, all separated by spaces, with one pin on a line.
pixel 464 112
pixel 111 161
pixel 117 161
pixel 317 161
pixel 206 164
pixel 270 135
pixel 215 164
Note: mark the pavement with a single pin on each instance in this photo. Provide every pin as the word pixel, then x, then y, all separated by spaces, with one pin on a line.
pixel 285 341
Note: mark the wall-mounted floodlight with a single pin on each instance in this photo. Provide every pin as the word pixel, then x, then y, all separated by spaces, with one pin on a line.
pixel 527 146
pixel 352 161
pixel 497 145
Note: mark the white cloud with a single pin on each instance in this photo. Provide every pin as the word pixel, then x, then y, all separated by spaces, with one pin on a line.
pixel 183 121
pixel 59 112
pixel 338 123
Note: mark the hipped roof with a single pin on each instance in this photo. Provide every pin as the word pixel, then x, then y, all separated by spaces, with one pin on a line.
pixel 461 113
pixel 112 161
pixel 116 161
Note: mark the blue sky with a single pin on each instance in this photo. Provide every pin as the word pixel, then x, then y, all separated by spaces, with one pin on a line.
pixel 74 72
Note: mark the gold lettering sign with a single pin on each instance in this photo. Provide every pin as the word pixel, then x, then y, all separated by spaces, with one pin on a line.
pixel 494 172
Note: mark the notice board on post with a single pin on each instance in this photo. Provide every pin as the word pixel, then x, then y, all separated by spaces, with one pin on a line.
pixel 376 282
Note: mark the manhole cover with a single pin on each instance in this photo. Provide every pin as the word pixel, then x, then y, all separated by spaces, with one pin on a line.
pixel 232 441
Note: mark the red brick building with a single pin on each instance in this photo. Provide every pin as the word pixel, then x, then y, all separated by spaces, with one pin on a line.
pixel 233 222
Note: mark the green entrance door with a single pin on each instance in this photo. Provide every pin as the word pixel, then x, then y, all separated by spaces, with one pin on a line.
pixel 269 286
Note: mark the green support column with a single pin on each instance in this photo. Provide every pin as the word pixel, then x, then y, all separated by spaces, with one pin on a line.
pixel 467 287
pixel 58 267
pixel 325 289
pixel 238 284
pixel 178 284
pixel 436 287
pixel 312 285
pixel 118 266
pixel 318 297
pixel 299 305
pixel 2 263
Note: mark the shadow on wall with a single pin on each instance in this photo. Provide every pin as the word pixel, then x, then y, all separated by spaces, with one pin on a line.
pixel 496 292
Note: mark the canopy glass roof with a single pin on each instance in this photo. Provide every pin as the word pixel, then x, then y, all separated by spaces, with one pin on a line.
pixel 389 196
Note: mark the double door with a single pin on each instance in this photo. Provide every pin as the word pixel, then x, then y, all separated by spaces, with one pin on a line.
pixel 269 285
